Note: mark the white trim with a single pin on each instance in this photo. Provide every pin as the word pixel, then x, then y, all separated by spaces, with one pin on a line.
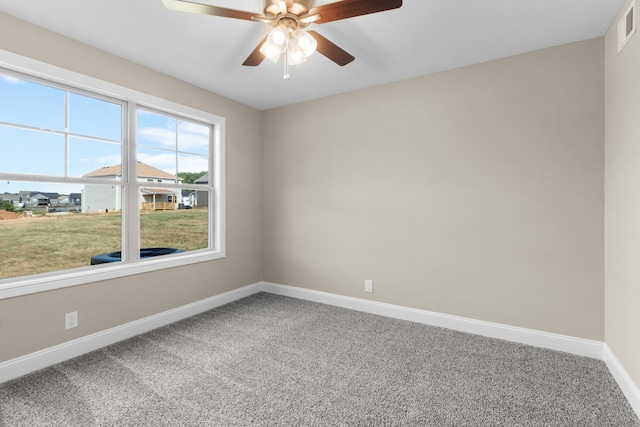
pixel 23 365
pixel 568 344
pixel 626 384
pixel 80 276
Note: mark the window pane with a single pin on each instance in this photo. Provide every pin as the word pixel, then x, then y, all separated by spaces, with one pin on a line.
pixel 94 117
pixel 173 146
pixel 183 229
pixel 97 158
pixel 193 138
pixel 156 130
pixel 31 104
pixel 49 224
pixel 31 152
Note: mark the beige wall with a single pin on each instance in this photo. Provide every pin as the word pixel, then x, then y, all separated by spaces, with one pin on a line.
pixel 476 192
pixel 34 322
pixel 622 201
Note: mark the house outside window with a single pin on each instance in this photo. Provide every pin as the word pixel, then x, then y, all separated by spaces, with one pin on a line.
pixel 151 198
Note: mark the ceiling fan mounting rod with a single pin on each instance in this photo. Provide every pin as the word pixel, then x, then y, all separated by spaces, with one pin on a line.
pixel 282 7
pixel 290 22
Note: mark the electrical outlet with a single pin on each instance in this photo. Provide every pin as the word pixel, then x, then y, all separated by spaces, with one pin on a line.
pixel 368 285
pixel 71 320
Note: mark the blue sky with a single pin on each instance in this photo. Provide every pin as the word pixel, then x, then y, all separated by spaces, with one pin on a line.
pixel 39 146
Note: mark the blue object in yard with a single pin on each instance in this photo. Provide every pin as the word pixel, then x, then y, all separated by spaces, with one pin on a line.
pixel 144 253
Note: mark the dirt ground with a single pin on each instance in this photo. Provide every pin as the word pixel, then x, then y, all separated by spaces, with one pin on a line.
pixel 9 215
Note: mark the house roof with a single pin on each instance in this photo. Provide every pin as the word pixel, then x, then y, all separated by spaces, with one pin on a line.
pixel 156 191
pixel 47 195
pixel 144 171
pixel 204 179
pixel 10 197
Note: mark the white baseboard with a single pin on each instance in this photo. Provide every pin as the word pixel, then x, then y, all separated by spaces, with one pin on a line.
pixel 23 365
pixel 628 387
pixel 567 344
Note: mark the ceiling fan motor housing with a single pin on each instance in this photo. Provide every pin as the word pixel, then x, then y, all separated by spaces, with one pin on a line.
pixel 289 22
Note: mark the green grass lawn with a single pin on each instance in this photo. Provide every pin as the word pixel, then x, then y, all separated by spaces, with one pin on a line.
pixel 53 243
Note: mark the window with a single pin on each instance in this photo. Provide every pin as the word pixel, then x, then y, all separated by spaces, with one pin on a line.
pixel 90 183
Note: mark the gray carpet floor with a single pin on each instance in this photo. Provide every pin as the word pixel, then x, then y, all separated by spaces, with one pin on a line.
pixel 269 360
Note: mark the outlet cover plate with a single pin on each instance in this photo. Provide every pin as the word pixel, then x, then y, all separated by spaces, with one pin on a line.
pixel 368 285
pixel 71 320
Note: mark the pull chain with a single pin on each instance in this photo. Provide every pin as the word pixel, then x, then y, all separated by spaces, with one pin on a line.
pixel 286 65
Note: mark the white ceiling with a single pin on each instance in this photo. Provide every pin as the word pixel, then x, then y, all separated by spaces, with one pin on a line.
pixel 422 37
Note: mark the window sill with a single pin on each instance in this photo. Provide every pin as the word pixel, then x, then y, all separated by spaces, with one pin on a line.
pixel 10 288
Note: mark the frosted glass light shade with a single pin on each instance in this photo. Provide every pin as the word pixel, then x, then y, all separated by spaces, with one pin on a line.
pixel 270 51
pixel 305 42
pixel 295 55
pixel 279 36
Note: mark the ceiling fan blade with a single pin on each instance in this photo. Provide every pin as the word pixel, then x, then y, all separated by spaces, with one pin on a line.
pixel 264 19
pixel 206 9
pixel 330 50
pixel 308 19
pixel 349 8
pixel 256 57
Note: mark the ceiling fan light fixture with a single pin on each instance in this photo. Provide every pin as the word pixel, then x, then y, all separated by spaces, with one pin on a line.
pixel 297 45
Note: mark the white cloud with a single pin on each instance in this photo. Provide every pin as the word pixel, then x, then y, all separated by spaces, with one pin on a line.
pixel 194 144
pixel 111 160
pixel 162 137
pixel 10 80
pixel 162 161
pixel 192 137
pixel 194 128
pixel 192 164
pixel 167 162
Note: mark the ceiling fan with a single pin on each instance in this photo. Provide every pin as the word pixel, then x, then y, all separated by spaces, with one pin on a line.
pixel 289 19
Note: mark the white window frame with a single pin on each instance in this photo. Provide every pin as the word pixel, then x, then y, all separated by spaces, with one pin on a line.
pixel 131 263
